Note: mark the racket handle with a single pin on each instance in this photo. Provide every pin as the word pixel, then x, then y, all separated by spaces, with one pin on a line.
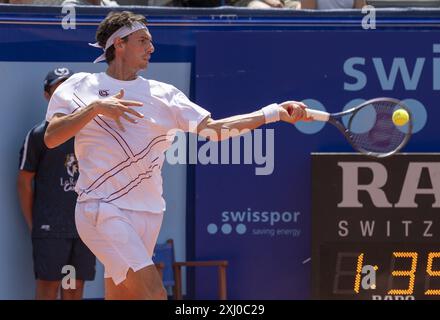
pixel 317 115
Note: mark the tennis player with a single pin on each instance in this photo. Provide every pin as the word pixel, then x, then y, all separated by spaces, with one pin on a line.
pixel 122 125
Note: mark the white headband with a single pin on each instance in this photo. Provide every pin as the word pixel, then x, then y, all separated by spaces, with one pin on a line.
pixel 121 32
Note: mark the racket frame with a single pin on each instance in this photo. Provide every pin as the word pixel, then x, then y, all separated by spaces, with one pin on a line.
pixel 334 120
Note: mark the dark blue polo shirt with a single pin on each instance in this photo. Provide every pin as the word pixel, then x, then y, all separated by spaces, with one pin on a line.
pixel 56 173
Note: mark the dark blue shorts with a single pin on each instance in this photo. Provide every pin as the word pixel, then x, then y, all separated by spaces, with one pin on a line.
pixel 52 254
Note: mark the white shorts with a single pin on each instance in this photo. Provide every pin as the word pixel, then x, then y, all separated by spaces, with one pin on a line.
pixel 119 238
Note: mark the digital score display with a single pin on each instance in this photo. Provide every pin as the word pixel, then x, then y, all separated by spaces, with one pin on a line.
pixel 380 274
pixel 376 227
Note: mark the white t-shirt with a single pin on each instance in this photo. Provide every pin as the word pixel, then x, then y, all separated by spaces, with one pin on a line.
pixel 124 168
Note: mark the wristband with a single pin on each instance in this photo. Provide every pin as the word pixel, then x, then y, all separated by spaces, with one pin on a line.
pixel 271 113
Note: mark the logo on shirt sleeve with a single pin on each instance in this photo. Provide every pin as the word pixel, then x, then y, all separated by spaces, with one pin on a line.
pixel 104 93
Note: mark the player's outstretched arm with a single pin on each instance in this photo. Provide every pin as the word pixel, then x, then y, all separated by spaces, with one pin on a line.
pixel 63 127
pixel 216 130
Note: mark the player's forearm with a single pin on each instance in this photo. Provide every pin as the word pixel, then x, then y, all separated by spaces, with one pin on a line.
pixel 26 197
pixel 233 126
pixel 63 128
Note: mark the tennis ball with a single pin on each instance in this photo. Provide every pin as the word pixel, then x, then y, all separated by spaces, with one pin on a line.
pixel 400 117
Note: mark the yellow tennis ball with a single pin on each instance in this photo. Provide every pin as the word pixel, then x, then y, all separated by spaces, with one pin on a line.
pixel 400 117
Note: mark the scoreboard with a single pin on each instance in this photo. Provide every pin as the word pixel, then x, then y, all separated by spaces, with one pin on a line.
pixel 376 227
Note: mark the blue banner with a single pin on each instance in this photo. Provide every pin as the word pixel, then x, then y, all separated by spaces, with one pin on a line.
pixel 261 223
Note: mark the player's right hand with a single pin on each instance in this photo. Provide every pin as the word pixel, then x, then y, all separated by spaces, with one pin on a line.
pixel 115 107
pixel 293 111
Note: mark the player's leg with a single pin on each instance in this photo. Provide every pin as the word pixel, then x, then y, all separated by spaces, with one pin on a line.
pixel 144 284
pixel 114 238
pixel 113 291
pixel 151 223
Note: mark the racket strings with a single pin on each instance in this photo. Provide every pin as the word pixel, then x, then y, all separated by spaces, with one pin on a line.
pixel 382 135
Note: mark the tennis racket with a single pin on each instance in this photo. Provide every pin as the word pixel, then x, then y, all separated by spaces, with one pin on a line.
pixel 369 127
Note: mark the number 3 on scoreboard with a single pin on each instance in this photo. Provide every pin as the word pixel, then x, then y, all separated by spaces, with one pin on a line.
pixel 400 273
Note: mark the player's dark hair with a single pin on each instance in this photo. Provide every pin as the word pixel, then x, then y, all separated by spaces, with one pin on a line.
pixel 113 22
